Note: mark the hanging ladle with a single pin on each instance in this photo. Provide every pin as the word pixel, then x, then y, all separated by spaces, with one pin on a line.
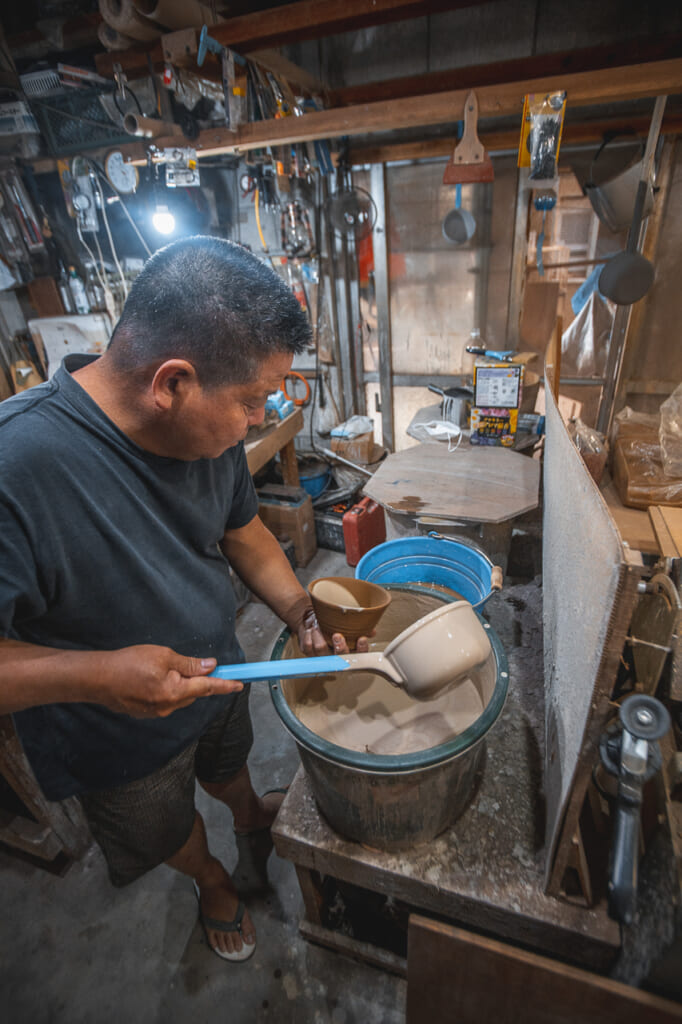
pixel 629 275
pixel 458 225
pixel 438 650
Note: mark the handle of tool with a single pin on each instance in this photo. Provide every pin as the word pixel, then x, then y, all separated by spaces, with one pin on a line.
pixel 645 178
pixel 287 668
pixel 624 856
pixel 469 149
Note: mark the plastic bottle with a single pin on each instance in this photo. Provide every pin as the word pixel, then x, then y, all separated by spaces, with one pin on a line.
pixel 78 291
pixel 65 291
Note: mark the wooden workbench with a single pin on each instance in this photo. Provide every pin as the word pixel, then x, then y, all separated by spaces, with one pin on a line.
pixel 485 872
pixel 265 443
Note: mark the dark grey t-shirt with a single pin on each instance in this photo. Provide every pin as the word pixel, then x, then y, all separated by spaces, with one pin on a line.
pixel 104 545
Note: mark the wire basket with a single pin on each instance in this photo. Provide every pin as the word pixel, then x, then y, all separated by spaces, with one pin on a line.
pixel 75 121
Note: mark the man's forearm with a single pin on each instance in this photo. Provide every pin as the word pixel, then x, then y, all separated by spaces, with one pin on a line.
pixel 145 680
pixel 33 675
pixel 257 558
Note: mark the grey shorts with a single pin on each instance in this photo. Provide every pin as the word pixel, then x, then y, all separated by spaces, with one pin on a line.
pixel 143 823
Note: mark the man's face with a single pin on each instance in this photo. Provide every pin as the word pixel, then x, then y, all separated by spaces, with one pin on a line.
pixel 215 419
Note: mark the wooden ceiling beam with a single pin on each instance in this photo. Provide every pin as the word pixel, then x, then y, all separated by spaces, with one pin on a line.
pixel 589 88
pixel 291 23
pixel 574 134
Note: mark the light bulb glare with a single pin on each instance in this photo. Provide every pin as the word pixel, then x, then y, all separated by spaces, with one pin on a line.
pixel 163 220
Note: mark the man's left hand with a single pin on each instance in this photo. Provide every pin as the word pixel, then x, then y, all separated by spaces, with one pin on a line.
pixel 312 642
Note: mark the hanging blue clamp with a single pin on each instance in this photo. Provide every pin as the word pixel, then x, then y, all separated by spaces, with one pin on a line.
pixel 543 203
pixel 207 44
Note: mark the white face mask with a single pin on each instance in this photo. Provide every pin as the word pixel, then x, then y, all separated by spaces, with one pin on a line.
pixel 441 430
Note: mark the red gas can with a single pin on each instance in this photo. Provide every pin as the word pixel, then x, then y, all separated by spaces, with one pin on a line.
pixel 364 526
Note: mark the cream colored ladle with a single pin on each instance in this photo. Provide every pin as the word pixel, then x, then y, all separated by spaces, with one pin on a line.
pixel 439 649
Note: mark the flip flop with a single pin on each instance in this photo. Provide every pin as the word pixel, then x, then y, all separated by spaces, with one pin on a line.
pixel 235 925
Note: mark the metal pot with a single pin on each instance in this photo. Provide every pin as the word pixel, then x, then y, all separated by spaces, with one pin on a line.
pixel 393 801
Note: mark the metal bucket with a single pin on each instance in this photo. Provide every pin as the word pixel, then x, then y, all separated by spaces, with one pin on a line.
pixel 434 560
pixel 391 802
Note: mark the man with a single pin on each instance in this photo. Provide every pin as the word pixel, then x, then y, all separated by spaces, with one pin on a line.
pixel 125 497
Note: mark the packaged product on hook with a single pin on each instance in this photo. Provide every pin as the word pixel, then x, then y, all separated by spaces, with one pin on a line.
pixel 541 127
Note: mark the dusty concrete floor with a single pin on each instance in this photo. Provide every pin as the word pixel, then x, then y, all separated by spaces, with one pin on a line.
pixel 74 949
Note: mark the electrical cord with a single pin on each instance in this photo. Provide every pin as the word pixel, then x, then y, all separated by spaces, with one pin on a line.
pixel 125 209
pixel 90 253
pixel 117 103
pixel 114 254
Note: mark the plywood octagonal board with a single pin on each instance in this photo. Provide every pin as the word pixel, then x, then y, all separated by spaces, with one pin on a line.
pixel 485 485
pixel 589 593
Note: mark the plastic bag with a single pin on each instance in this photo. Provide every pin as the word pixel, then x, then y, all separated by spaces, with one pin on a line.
pixel 641 425
pixel 353 427
pixel 639 475
pixel 670 433
pixel 546 122
pixel 592 447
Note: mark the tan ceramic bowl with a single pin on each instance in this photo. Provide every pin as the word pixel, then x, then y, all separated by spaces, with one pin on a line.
pixel 345 605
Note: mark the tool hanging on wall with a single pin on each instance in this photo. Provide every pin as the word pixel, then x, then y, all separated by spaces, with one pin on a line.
pixel 234 90
pixel 543 203
pixel 629 275
pixel 470 162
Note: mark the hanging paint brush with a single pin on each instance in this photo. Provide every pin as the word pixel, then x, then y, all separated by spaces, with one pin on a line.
pixel 469 163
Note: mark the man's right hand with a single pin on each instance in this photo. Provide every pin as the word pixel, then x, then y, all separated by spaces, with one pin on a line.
pixel 148 681
pixel 145 681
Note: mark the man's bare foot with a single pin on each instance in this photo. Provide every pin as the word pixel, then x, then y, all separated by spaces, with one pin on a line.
pixel 219 900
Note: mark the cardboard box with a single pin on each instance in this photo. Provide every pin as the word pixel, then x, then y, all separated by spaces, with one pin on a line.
pixel 357 449
pixel 288 513
pixel 639 475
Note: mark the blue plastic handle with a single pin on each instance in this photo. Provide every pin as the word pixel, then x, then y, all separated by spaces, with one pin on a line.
pixel 286 668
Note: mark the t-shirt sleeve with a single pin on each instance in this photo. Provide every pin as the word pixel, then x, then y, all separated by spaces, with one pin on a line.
pixel 21 598
pixel 244 498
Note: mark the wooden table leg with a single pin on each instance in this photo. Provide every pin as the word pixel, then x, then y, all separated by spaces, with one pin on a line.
pixel 311 892
pixel 287 456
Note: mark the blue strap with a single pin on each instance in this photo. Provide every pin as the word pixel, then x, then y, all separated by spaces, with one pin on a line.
pixel 540 243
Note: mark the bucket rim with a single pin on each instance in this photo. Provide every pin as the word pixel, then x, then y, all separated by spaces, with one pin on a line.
pixel 432 538
pixel 382 764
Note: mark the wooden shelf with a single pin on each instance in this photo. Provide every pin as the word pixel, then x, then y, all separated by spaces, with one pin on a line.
pixel 586 88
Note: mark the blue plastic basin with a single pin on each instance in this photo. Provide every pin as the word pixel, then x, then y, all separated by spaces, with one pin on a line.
pixel 436 560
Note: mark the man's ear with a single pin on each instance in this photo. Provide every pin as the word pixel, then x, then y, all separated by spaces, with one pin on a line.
pixel 172 382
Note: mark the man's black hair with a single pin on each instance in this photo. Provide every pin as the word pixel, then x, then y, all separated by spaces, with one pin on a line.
pixel 213 303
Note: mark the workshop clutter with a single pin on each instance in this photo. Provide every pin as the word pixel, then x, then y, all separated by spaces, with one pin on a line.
pixel 352 526
pixel 591 445
pixel 288 513
pixel 354 439
pixel 639 460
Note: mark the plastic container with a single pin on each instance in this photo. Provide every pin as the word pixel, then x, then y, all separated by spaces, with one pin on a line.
pixel 434 560
pixel 315 478
pixel 364 526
